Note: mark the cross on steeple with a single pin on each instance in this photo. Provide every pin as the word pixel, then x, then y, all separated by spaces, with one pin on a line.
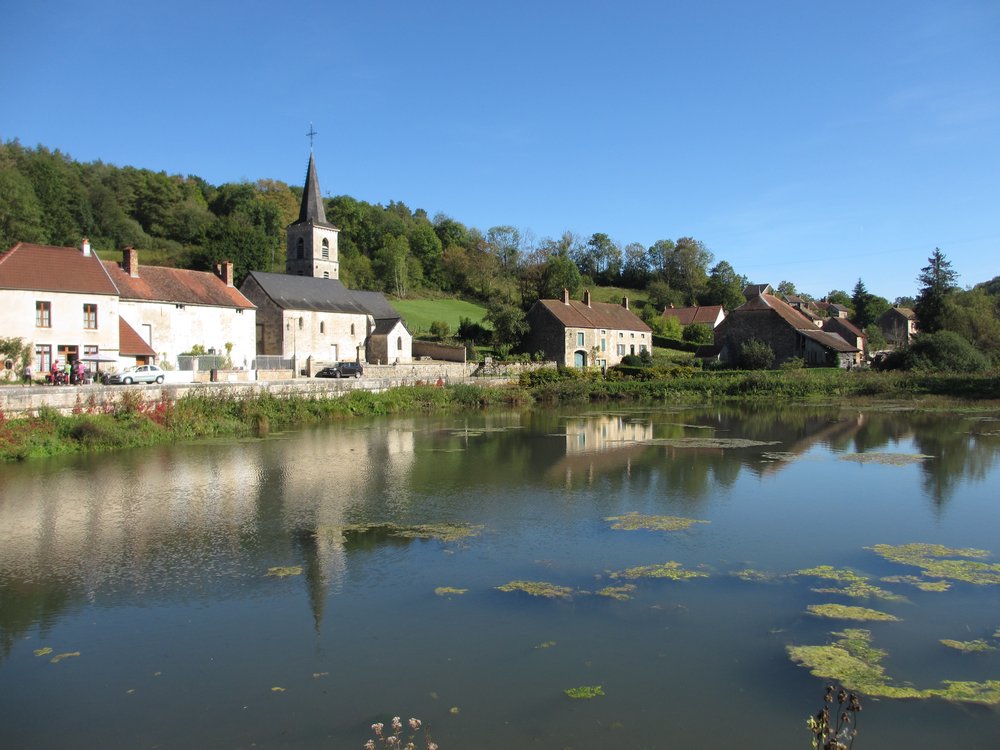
pixel 311 134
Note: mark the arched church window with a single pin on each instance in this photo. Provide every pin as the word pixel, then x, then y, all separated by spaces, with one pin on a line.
pixel 300 248
pixel 399 343
pixel 352 329
pixel 326 249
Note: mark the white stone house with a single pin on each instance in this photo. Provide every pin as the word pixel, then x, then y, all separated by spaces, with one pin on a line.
pixel 175 309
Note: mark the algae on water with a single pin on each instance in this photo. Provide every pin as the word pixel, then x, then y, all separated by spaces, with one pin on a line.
pixel 284 572
pixel 938 561
pixel 621 593
pixel 968 647
pixel 538 588
pixel 886 459
pixel 635 521
pixel 584 692
pixel 671 570
pixel 449 591
pixel 843 612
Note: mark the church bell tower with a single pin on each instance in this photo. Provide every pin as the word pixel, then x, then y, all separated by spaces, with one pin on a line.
pixel 311 248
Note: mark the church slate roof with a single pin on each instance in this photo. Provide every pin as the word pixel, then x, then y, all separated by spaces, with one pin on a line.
pixel 321 295
pixel 46 268
pixel 312 209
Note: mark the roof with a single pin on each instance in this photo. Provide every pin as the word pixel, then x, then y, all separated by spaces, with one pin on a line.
pixel 701 314
pixel 904 311
pixel 321 295
pixel 599 315
pixel 769 302
pixel 312 209
pixel 755 290
pixel 845 324
pixel 130 343
pixel 160 284
pixel 829 340
pixel 54 269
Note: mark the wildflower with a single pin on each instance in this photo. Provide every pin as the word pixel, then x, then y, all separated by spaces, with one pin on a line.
pixel 397 724
pixel 414 724
pixel 377 728
pixel 370 745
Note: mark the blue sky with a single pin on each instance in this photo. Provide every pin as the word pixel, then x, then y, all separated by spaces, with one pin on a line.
pixel 799 140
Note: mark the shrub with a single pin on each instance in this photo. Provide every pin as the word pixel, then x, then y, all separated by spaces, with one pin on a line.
pixel 942 351
pixel 792 363
pixel 698 333
pixel 756 355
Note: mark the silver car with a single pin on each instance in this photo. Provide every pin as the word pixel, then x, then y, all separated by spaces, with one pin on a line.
pixel 137 374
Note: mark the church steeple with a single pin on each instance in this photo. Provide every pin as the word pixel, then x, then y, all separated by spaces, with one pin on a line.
pixel 311 241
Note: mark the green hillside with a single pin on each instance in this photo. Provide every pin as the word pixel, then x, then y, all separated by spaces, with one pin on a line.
pixel 418 314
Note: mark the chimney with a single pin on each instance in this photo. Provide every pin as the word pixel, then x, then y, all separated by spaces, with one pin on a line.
pixel 225 272
pixel 586 297
pixel 565 297
pixel 130 262
pixel 625 302
pixel 85 247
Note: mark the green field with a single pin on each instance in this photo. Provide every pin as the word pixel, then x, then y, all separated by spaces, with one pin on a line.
pixel 418 314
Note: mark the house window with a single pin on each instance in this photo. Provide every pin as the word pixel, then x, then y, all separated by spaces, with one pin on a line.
pixel 300 248
pixel 604 345
pixel 642 348
pixel 90 351
pixel 90 316
pixel 302 322
pixel 579 338
pixel 179 306
pixel 326 249
pixel 43 357
pixel 322 327
pixel 43 314
pixel 621 350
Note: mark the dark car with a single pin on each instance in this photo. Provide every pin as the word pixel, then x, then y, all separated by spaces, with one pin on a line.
pixel 342 370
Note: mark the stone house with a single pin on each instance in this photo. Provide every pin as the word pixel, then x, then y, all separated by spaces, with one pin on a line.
pixel 175 309
pixel 62 302
pixel 850 333
pixel 898 326
pixel 789 333
pixel 586 333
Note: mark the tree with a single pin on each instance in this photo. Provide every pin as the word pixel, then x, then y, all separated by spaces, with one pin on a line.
pixel 787 288
pixel 838 297
pixel 755 354
pixel 505 244
pixel 698 333
pixel 975 316
pixel 20 211
pixel 662 296
pixel 867 306
pixel 724 287
pixel 509 324
pixel 937 280
pixel 635 267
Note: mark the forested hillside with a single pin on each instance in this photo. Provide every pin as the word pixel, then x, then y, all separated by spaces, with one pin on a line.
pixel 183 221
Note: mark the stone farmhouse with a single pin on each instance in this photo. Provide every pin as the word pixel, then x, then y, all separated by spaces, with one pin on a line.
pixel 710 315
pixel 898 325
pixel 307 314
pixel 788 332
pixel 587 333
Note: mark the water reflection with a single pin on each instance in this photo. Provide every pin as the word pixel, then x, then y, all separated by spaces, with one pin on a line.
pixel 203 524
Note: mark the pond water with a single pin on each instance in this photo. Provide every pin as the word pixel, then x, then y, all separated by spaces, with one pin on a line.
pixel 288 592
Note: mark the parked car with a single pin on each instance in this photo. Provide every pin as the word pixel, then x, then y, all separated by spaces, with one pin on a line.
pixel 342 370
pixel 136 374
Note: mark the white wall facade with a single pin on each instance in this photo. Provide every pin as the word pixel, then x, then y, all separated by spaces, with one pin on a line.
pixel 172 329
pixel 324 336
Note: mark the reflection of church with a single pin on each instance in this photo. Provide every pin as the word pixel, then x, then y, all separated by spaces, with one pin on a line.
pixel 307 314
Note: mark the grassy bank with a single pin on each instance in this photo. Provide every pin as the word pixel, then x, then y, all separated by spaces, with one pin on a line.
pixel 132 422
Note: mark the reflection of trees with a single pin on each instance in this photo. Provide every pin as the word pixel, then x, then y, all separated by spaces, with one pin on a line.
pixel 957 454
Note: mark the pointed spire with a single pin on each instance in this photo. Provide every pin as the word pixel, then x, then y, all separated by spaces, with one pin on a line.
pixel 312 209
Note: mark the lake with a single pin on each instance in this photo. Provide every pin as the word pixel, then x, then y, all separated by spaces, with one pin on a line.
pixel 290 591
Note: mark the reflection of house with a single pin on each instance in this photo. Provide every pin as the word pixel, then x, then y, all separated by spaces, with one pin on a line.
pixel 587 333
pixel 710 315
pixel 605 432
pixel 174 309
pixel 308 313
pixel 62 301
pixel 789 333
pixel 898 325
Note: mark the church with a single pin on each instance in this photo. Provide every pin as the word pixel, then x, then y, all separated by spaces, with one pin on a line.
pixel 307 314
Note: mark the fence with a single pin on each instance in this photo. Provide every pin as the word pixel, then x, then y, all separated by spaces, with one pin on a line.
pixel 272 362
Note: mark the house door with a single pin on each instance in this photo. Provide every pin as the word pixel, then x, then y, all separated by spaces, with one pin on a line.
pixel 68 353
pixel 580 359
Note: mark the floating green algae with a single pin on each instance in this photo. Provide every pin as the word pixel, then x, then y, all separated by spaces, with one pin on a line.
pixel 449 591
pixel 844 575
pixel 585 692
pixel 43 651
pixel 778 456
pixel 968 647
pixel 538 588
pixel 754 576
pixel 886 459
pixel 635 521
pixel 442 532
pixel 59 657
pixel 621 593
pixel 856 665
pixel 920 583
pixel 696 442
pixel 283 572
pixel 844 612
pixel 546 644
pixel 861 590
pixel 672 570
pixel 938 561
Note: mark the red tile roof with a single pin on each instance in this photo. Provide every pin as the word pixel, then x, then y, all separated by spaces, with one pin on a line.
pixel 599 315
pixel 161 284
pixel 788 313
pixel 707 314
pixel 130 343
pixel 53 269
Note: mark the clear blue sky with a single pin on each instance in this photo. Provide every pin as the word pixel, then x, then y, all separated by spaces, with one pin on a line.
pixel 810 141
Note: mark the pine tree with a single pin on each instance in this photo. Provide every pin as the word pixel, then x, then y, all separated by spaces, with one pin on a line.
pixel 937 280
